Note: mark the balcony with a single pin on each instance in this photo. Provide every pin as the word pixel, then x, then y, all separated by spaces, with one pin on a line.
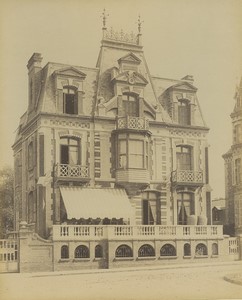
pixel 72 172
pixel 187 177
pixel 140 232
pixel 133 123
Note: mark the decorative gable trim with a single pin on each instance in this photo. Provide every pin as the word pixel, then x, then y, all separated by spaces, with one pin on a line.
pixel 130 58
pixel 70 72
pixel 184 86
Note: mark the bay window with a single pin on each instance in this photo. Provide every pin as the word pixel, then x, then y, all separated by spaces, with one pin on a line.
pixel 132 152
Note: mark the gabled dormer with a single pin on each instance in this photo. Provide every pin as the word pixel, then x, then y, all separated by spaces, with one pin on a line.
pixel 181 103
pixel 69 86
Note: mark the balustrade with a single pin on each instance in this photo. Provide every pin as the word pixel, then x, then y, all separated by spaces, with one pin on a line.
pixel 82 232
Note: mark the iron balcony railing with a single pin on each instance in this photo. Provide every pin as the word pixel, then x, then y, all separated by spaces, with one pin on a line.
pixel 187 176
pixel 136 123
pixel 75 171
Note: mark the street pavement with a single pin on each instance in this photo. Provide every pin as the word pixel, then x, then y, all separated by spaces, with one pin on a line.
pixel 188 282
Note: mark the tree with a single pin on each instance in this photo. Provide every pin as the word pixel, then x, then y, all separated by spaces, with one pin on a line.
pixel 6 200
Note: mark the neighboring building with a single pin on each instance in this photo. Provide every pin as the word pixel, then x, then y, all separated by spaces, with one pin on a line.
pixel 233 168
pixel 218 211
pixel 110 144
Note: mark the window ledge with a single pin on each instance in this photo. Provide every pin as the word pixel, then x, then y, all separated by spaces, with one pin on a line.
pixel 201 256
pixel 187 256
pixel 81 259
pixel 123 258
pixel 167 257
pixel 214 255
pixel 146 258
pixel 64 260
pixel 97 258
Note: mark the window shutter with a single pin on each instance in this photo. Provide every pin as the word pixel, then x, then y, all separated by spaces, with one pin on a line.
pixel 41 156
pixel 60 101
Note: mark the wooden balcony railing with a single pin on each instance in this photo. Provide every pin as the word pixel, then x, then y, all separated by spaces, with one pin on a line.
pixel 74 171
pixel 187 176
pixel 135 123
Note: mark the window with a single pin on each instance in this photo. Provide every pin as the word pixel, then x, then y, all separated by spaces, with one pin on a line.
pixel 136 154
pixel 30 155
pixel 184 157
pixel 237 134
pixel 133 153
pixel 64 252
pixel 82 252
pixel 184 114
pixel 214 249
pixel 70 151
pixel 124 251
pixel 98 251
pixel 70 104
pixel 31 208
pixel 146 250
pixel 201 250
pixel 168 250
pixel 185 207
pixel 237 171
pixel 151 208
pixel 187 249
pixel 130 105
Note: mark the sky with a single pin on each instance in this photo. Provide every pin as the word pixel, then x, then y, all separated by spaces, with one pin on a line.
pixel 202 38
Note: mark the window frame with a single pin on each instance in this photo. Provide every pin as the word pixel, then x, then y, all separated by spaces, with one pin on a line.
pixel 168 250
pixel 146 250
pixel 81 251
pixel 64 252
pixel 182 156
pixel 184 112
pixel 124 159
pixel 67 92
pixel 70 146
pixel 123 251
pixel 129 109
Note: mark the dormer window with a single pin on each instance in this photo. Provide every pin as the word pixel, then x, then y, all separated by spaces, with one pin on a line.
pixel 70 101
pixel 184 112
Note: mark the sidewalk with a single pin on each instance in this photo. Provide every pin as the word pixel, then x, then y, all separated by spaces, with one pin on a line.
pixel 134 269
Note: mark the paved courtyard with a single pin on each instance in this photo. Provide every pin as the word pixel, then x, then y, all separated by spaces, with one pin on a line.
pixel 192 282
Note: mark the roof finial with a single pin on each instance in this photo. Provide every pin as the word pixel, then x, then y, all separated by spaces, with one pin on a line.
pixel 104 15
pixel 139 24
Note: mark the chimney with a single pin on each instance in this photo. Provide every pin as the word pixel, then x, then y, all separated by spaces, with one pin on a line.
pixel 34 62
pixel 188 78
pixel 34 67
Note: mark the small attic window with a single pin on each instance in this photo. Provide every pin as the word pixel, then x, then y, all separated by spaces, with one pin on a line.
pixel 70 102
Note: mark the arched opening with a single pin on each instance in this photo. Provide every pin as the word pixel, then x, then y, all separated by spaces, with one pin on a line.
pixel 64 252
pixel 82 252
pixel 146 250
pixel 201 250
pixel 168 250
pixel 124 251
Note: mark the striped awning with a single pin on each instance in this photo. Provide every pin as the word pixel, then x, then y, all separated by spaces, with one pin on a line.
pixel 96 203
